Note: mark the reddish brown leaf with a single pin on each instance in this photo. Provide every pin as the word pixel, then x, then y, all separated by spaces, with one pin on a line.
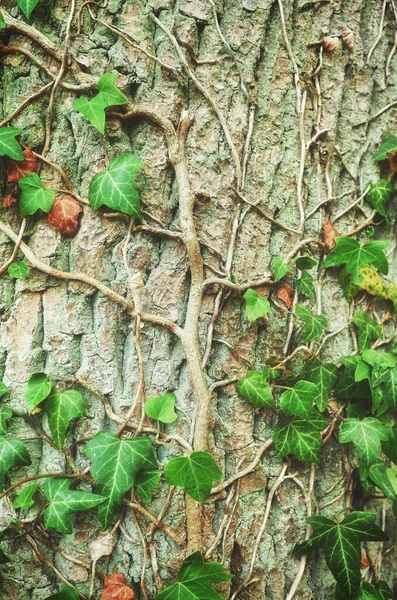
pixel 116 588
pixel 392 158
pixel 64 215
pixel 8 200
pixel 329 235
pixel 364 561
pixel 19 168
pixel 286 295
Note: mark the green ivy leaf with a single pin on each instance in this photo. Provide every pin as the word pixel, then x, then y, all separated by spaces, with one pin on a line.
pixel 195 474
pixel 379 195
pixel 390 145
pixel 368 330
pixel 194 580
pixel 24 500
pixel 67 593
pixel 145 483
pixel 305 262
pixel 366 436
pixel 19 270
pixel 255 388
pixel 279 269
pixel 116 187
pixel 3 389
pixel 341 544
pixel 3 24
pixel 12 453
pixel 256 307
pixel 324 377
pixel 347 386
pixel 314 324
pixel 65 502
pixel 9 145
pixel 379 360
pixel 349 252
pixel 367 592
pixel 363 371
pixel 5 415
pixel 305 286
pixel 388 383
pixel 27 6
pixel 298 401
pixel 4 558
pixel 37 390
pixel 389 446
pixel 34 195
pixel 93 109
pixel 115 464
pixel 108 91
pixel 61 408
pixel 381 477
pixel 300 438
pixel 161 408
pixel 384 592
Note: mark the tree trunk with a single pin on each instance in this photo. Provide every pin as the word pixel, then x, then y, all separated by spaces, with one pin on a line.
pixel 244 123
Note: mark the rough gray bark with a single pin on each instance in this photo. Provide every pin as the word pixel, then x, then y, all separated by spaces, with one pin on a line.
pixel 69 329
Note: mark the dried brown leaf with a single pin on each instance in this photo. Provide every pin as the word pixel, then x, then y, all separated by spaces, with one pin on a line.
pixel 329 235
pixel 286 295
pixel 116 588
pixel 19 168
pixel 8 200
pixel 103 545
pixel 64 215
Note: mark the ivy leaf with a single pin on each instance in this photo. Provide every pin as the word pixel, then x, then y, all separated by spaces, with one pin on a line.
pixel 368 330
pixel 3 389
pixel 116 187
pixel 305 286
pixel 348 387
pixel 256 307
pixel 384 592
pixel 4 558
pixel 314 324
pixel 379 195
pixel 255 388
pixel 299 399
pixel 12 453
pixel 195 474
pixel 5 415
pixel 8 144
pixel 64 502
pixel 379 360
pixel 388 383
pixel 145 483
pixel 279 269
pixel 194 580
pixel 161 408
pixel 382 478
pixel 349 252
pixel 65 214
pixel 67 593
pixel 300 438
pixel 341 544
pixel 61 408
pixel 390 145
pixel 108 91
pixel 116 588
pixel 34 195
pixel 93 109
pixel 24 499
pixel 37 390
pixel 18 169
pixel 19 270
pixel 115 464
pixel 324 376
pixel 305 262
pixel 389 446
pixel 366 436
pixel 3 24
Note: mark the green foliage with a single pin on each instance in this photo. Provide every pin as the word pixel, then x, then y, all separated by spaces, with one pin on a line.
pixel 389 146
pixel 279 269
pixel 324 377
pixel 255 388
pixel 64 502
pixel 3 24
pixel 34 195
pixel 161 408
pixel 379 195
pixel 37 390
pixel 8 144
pixel 95 108
pixel 300 437
pixel 19 270
pixel 305 262
pixel 67 593
pixel 4 558
pixel 305 286
pixel 389 446
pixel 366 436
pixel 341 544
pixel 12 453
pixel 388 383
pixel 381 477
pixel 368 330
pixel 116 188
pixel 115 464
pixel 24 500
pixel 61 408
pixel 348 387
pixel 5 415
pixel 256 307
pixel 195 474
pixel 195 579
pixel 298 401
pixel 349 252
pixel 3 389
pixel 145 483
pixel 314 324
pixel 27 6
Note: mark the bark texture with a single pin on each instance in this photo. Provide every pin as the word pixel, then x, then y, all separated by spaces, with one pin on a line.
pixel 71 330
